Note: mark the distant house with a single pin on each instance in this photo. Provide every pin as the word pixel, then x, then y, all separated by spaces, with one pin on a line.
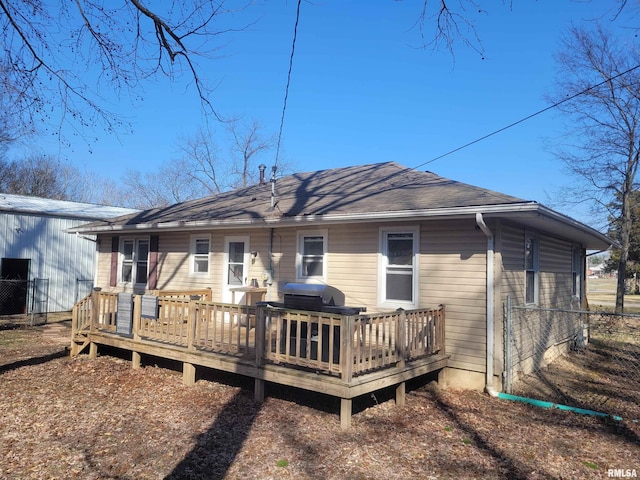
pixel 35 249
pixel 387 236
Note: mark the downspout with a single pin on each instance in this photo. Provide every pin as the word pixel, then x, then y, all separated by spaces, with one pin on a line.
pixel 490 302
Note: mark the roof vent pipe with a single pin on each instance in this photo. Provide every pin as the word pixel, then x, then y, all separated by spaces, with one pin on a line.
pixel 273 185
pixel 262 167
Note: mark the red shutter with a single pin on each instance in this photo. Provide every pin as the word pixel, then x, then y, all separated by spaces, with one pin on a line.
pixel 115 244
pixel 153 262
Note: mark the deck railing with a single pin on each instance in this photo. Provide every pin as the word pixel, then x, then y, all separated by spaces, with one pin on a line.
pixel 302 338
pixel 97 310
pixel 203 293
pixel 342 345
pixel 324 342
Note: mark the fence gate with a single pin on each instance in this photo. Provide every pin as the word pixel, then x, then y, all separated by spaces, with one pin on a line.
pixel 39 296
pixel 24 301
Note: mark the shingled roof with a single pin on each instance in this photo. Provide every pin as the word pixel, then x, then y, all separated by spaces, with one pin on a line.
pixel 382 191
pixel 377 188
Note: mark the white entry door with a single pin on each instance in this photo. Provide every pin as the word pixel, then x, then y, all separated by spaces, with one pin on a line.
pixel 236 267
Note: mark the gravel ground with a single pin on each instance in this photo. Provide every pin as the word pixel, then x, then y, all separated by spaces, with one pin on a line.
pixel 95 419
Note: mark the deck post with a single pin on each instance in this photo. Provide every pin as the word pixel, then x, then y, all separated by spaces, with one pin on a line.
pixel 346 347
pixel 441 317
pixel 95 310
pixel 137 316
pixel 188 374
pixel 260 333
pixel 401 353
pixel 346 367
pixel 191 324
pixel 136 360
pixel 401 396
pixel 93 350
pixel 401 337
pixel 345 413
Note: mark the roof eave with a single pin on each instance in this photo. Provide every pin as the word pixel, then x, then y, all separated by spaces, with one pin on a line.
pixel 530 214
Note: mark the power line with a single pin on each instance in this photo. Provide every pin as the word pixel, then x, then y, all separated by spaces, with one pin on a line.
pixel 528 117
pixel 286 91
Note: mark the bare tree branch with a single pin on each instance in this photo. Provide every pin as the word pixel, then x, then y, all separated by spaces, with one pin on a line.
pixel 57 57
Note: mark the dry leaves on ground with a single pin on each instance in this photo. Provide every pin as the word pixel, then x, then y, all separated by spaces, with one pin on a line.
pixel 93 419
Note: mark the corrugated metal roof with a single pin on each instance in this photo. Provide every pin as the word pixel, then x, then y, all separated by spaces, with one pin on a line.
pixel 59 208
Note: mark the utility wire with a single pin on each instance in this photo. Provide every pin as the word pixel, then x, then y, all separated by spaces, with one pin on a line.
pixel 528 117
pixel 286 91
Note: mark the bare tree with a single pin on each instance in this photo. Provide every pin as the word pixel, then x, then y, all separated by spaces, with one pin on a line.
pixel 601 77
pixel 159 188
pixel 247 149
pixel 40 176
pixel 201 162
pixel 201 168
pixel 56 56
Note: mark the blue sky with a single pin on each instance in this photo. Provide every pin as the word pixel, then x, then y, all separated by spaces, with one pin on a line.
pixel 362 93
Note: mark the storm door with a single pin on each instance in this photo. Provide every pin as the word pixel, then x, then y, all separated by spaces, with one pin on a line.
pixel 236 267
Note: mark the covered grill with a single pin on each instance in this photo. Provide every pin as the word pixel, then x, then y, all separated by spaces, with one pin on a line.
pixel 316 298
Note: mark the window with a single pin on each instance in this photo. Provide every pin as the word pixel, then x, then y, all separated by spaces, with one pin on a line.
pixel 311 258
pixel 135 260
pixel 199 264
pixel 399 250
pixel 531 269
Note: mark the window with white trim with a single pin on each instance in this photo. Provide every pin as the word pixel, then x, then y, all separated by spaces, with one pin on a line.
pixel 134 265
pixel 199 261
pixel 311 261
pixel 531 268
pixel 399 267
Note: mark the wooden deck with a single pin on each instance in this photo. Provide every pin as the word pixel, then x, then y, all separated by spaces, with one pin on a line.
pixel 343 356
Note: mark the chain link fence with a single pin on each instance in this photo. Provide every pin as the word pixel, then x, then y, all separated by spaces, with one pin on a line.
pixel 583 359
pixel 24 302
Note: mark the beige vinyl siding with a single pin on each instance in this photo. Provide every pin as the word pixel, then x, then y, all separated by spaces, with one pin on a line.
pixel 283 258
pixel 173 263
pixel 555 268
pixel 555 272
pixel 512 250
pixel 352 260
pixel 453 273
pixel 174 259
pixel 104 262
pixel 353 263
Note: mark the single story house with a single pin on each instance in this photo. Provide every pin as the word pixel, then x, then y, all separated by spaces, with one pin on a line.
pixel 36 251
pixel 387 236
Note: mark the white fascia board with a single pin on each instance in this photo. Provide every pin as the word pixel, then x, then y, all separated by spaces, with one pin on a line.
pixel 530 213
pixel 455 212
